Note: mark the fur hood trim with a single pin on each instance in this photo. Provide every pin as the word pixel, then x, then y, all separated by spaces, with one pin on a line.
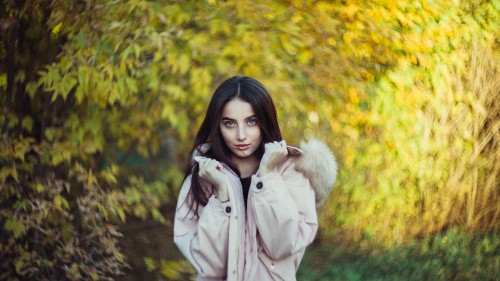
pixel 319 165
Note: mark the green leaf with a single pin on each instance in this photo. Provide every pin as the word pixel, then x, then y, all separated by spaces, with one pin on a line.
pixel 94 125
pixel 57 158
pixel 32 88
pixel 16 227
pixel 19 264
pixel 22 204
pixel 20 76
pixel 39 187
pixel 79 94
pixel 3 81
pixel 27 123
pixel 49 134
pixel 150 264
pixel 54 96
pixel 14 174
pixel 109 177
pixel 121 214
pixel 20 152
pixel 131 85
pixel 83 77
pixel 157 215
pixel 5 171
pixel 67 84
pixel 61 202
pixel 184 63
pixel 13 122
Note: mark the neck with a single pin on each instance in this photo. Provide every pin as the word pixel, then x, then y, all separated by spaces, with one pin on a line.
pixel 246 166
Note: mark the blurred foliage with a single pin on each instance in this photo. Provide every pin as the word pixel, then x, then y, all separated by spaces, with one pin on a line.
pixel 421 138
pixel 101 100
pixel 451 255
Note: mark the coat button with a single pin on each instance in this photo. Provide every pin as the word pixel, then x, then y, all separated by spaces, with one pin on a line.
pixel 228 209
pixel 272 265
pixel 259 185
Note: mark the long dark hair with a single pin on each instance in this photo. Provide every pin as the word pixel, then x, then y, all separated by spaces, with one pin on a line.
pixel 249 90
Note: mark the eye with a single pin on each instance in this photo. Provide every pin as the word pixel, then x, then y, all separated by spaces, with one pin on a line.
pixel 229 123
pixel 252 121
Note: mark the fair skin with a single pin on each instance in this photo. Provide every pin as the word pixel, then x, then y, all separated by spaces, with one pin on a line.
pixel 242 135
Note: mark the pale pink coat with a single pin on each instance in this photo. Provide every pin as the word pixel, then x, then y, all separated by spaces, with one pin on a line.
pixel 267 240
pixel 264 242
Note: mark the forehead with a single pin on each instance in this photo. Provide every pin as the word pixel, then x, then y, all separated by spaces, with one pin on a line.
pixel 237 109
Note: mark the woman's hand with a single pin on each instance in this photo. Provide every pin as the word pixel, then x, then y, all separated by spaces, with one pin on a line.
pixel 274 153
pixel 211 171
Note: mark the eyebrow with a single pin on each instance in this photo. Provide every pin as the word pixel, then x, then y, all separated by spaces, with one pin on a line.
pixel 231 119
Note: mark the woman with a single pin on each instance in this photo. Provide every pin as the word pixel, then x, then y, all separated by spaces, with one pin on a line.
pixel 247 207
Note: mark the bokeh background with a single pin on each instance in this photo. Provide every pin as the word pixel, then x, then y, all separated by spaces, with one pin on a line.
pixel 100 101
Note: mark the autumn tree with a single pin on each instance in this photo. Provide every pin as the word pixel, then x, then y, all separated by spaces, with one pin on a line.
pixel 101 99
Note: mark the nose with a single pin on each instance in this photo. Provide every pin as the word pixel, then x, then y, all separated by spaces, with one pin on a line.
pixel 241 135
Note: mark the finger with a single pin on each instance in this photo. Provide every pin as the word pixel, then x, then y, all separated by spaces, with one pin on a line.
pixel 211 166
pixel 219 167
pixel 273 145
pixel 214 165
pixel 280 147
pixel 206 164
pixel 203 164
pixel 213 162
pixel 283 144
pixel 283 147
pixel 269 147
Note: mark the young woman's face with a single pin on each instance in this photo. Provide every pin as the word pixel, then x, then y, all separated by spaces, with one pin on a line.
pixel 239 128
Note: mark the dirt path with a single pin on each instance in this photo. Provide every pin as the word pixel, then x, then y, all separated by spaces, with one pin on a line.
pixel 145 239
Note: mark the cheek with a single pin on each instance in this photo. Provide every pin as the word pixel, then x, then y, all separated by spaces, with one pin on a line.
pixel 256 133
pixel 225 134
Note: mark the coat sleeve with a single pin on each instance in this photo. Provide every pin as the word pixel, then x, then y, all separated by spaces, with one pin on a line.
pixel 204 240
pixel 285 212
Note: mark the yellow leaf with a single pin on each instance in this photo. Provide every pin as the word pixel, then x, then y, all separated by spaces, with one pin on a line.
pixel 15 226
pixel 150 264
pixel 60 202
pixel 121 214
pixel 27 123
pixel 184 62
pixel 39 187
pixel 57 158
pixel 353 95
pixel 19 265
pixel 109 177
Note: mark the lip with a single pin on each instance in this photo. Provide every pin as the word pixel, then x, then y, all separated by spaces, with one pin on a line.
pixel 242 146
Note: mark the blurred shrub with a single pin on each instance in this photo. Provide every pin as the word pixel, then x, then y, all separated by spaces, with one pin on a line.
pixel 420 139
pixel 452 255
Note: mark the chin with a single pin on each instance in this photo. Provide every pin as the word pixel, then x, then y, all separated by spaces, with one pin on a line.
pixel 243 154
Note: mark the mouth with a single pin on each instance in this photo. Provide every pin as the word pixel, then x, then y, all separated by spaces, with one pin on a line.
pixel 242 146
